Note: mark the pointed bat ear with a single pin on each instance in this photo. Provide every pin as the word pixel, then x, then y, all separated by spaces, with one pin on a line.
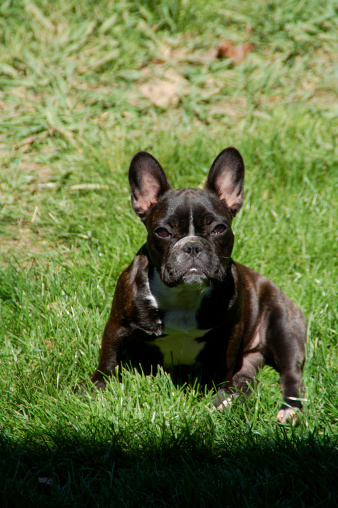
pixel 147 182
pixel 226 179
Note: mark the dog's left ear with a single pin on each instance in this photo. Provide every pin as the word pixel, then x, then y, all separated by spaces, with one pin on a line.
pixel 226 179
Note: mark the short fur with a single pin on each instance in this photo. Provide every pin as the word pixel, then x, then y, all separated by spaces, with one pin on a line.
pixel 183 303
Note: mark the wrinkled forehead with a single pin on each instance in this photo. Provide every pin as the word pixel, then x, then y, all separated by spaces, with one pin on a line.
pixel 191 210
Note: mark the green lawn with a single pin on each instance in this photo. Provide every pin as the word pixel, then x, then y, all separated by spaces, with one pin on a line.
pixel 83 86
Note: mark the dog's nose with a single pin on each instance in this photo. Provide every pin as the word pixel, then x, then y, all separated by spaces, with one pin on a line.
pixel 193 248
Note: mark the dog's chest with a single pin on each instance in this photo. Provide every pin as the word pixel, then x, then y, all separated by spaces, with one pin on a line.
pixel 179 346
pixel 181 341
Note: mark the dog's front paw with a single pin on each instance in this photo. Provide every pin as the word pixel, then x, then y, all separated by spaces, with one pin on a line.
pixel 99 380
pixel 86 389
pixel 288 415
pixel 223 399
pixel 92 387
pixel 99 385
pixel 224 404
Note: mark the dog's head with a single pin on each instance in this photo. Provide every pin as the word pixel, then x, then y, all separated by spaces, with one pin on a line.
pixel 190 239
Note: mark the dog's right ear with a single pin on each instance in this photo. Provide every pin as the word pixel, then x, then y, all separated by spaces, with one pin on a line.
pixel 147 182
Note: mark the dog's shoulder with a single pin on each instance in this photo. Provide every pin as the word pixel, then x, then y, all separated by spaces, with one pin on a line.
pixel 263 293
pixel 133 282
pixel 136 274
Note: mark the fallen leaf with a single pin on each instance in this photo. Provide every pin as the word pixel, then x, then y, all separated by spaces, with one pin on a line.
pixel 157 61
pixel 224 49
pixel 234 53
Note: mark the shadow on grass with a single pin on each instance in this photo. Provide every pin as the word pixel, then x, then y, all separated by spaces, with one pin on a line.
pixel 185 470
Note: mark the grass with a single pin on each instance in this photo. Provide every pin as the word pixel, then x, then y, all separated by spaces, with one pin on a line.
pixel 82 88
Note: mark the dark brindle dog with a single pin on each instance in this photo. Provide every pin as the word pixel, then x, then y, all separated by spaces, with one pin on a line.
pixel 184 302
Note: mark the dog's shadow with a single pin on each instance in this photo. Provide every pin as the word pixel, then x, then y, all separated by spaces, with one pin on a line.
pixel 190 469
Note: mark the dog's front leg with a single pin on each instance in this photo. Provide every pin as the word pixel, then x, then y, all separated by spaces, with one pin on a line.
pixel 112 342
pixel 242 381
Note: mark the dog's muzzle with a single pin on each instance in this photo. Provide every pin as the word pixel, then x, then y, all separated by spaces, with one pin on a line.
pixel 189 262
pixel 191 245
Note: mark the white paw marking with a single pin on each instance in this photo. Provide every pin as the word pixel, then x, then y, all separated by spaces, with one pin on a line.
pixel 286 415
pixel 224 404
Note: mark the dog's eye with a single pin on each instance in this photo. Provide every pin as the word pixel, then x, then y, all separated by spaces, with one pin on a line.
pixel 220 228
pixel 163 233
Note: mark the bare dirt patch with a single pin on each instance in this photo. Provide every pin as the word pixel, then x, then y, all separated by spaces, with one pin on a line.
pixel 165 90
pixel 21 242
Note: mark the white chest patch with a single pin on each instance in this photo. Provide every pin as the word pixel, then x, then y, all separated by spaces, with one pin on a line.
pixel 179 306
pixel 179 347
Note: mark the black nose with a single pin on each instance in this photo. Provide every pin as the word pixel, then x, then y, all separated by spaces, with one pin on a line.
pixel 193 248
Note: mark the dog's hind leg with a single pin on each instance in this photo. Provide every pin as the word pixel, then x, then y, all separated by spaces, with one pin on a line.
pixel 285 351
pixel 292 388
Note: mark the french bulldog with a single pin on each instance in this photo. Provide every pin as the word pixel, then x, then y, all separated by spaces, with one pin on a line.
pixel 183 303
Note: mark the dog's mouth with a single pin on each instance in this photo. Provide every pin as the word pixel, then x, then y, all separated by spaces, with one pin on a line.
pixel 193 272
pixel 194 275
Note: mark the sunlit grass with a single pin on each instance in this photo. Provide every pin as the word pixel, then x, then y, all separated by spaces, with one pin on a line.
pixel 74 111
